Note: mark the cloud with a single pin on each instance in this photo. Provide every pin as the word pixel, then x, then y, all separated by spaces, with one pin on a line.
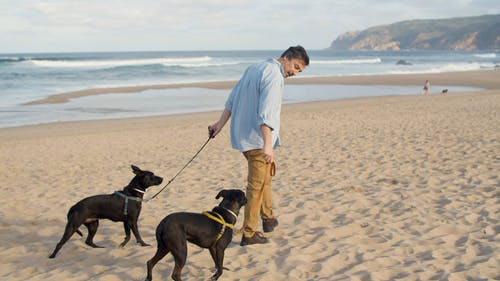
pixel 100 25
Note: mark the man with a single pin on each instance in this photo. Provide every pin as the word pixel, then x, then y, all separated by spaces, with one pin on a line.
pixel 254 107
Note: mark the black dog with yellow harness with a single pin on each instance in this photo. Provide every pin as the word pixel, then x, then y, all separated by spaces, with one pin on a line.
pixel 211 230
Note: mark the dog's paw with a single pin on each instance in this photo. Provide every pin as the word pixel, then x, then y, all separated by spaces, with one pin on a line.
pixel 93 245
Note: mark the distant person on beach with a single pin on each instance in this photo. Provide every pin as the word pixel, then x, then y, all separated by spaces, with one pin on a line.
pixel 427 87
pixel 254 106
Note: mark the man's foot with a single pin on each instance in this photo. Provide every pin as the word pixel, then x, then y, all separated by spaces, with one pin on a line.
pixel 269 224
pixel 257 238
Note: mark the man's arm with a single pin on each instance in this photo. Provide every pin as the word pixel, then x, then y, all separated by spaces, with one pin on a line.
pixel 268 143
pixel 214 129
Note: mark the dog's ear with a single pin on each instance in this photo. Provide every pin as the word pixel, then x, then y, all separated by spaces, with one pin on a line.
pixel 222 193
pixel 136 169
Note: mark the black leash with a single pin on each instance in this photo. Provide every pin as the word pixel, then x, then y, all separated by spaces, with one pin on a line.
pixel 171 180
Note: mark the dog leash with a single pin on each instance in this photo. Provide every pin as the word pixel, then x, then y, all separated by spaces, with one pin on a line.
pixel 172 179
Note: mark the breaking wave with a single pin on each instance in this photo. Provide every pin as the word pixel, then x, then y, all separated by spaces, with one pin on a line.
pixel 349 61
pixel 203 61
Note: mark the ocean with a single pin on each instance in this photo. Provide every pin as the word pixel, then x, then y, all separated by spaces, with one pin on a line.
pixel 30 77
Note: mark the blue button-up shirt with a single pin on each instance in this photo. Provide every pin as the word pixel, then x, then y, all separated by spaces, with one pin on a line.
pixel 256 100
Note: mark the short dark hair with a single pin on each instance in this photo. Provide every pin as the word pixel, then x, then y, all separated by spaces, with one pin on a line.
pixel 296 52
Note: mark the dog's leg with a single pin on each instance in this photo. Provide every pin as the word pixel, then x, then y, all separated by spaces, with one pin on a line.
pixel 180 254
pixel 127 234
pixel 138 237
pixel 92 228
pixel 68 232
pixel 160 253
pixel 218 257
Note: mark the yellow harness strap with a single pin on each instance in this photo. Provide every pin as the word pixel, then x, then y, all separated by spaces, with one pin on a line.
pixel 220 220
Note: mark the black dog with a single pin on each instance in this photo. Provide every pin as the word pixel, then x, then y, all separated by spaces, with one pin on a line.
pixel 212 230
pixel 445 91
pixel 122 206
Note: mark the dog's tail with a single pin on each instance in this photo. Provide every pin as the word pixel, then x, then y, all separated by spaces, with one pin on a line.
pixel 159 238
pixel 71 212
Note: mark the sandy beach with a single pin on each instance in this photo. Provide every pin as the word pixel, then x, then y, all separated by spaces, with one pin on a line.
pixel 385 188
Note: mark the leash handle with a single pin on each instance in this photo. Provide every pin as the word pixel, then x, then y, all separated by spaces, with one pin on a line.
pixel 211 132
pixel 191 160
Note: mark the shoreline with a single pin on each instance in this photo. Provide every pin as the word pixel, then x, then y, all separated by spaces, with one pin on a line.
pixel 488 80
pixel 99 126
pixel 480 79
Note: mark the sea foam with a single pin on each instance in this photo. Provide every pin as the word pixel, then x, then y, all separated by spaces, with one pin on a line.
pixel 349 61
pixel 486 56
pixel 188 62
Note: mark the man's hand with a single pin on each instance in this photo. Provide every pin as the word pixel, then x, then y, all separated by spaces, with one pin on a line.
pixel 268 155
pixel 268 146
pixel 211 131
pixel 215 128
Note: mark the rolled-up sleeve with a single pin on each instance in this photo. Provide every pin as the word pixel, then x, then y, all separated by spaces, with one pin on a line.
pixel 270 102
pixel 256 100
pixel 229 102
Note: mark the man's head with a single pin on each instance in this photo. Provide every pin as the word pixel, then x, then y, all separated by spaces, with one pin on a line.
pixel 294 60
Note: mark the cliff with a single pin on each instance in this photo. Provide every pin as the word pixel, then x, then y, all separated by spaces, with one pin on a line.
pixel 468 33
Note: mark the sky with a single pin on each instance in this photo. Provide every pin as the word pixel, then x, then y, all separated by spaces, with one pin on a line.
pixel 171 25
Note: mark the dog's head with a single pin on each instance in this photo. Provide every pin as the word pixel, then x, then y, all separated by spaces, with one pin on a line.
pixel 233 199
pixel 144 179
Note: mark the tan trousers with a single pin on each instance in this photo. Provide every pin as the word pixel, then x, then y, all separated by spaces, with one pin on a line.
pixel 259 198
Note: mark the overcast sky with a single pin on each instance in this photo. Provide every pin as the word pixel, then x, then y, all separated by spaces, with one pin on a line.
pixel 101 25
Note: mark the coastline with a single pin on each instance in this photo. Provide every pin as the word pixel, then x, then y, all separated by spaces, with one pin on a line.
pixel 481 79
pixel 375 188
